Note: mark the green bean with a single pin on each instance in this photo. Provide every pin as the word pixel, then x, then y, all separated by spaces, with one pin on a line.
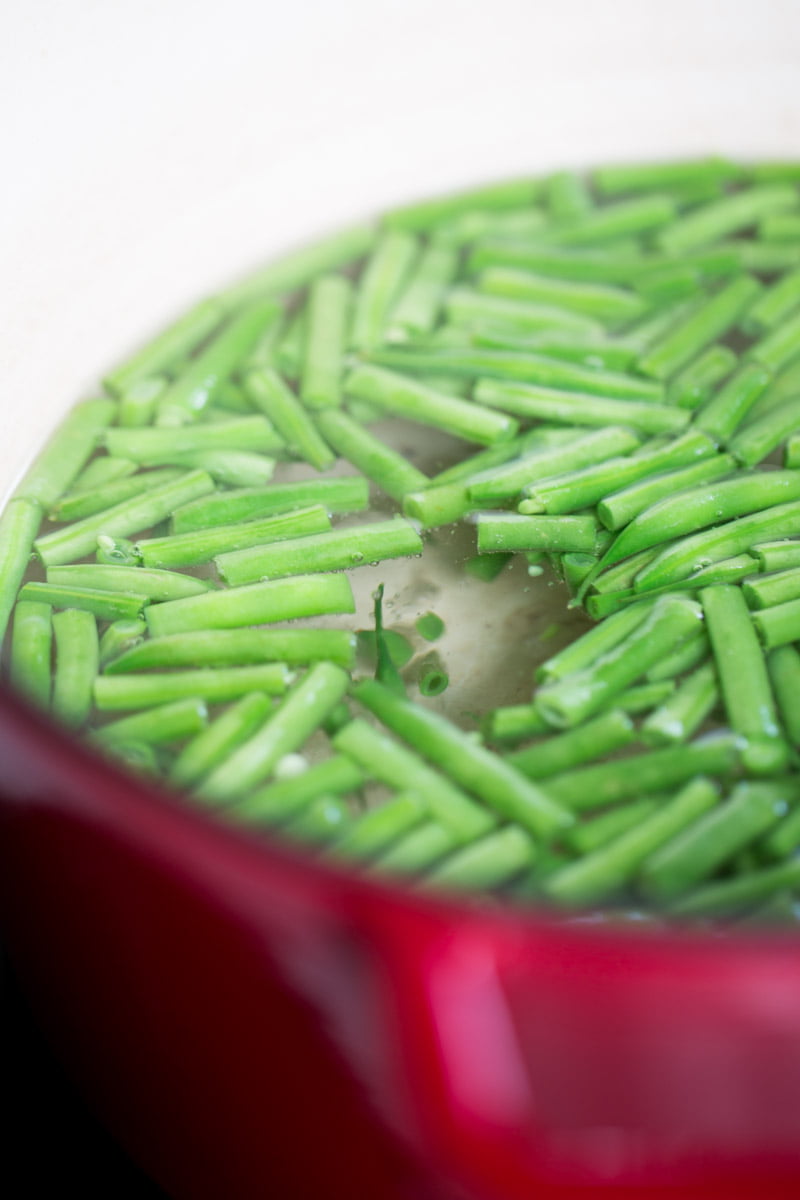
pixel 569 700
pixel 774 171
pixel 644 696
pixel 578 408
pixel 780 345
pixel 690 654
pixel 329 307
pixel 213 684
pixel 73 506
pixel 685 340
pixel 776 556
pixel 19 524
pixel 792 458
pixel 169 347
pixel 648 177
pixel 765 591
pixel 731 896
pixel 682 714
pixel 543 437
pixel 164 723
pixel 287 727
pixel 299 267
pixel 333 550
pixel 578 348
pixel 258 604
pixel 467 227
pixel 155 446
pixel 508 479
pixel 692 386
pixel 77 540
pixel 465 306
pixel 784 838
pixel 290 347
pixel 783 665
pixel 120 637
pixel 195 386
pixel 391 471
pixel 774 305
pixel 679 559
pixel 618 509
pixel 667 285
pixel 213 743
pixel 417 850
pixel 201 545
pixel 579 489
pixel 603 735
pixel 31 646
pixel 137 403
pixel 116 552
pixel 603 302
pixel 778 625
pixel 403 397
pixel 575 568
pixel 283 798
pixel 769 258
pixel 155 585
pixel 743 678
pixel 324 819
pixel 388 761
pixel 423 215
pixel 728 215
pixel 589 266
pixel 76 643
pixel 102 469
pixel 379 828
pixel 589 836
pixel 696 508
pixel 232 468
pixel 238 647
pixel 722 415
pixel 271 395
pixel 662 320
pixel 523 367
pixel 759 437
pixel 567 195
pixel 464 761
pixel 105 605
pixel 435 506
pixel 512 531
pixel 346 494
pixel 780 227
pixel 419 303
pixel 697 851
pixel 606 870
pixel 56 466
pixel 382 281
pixel 489 862
pixel 641 215
pixel 596 642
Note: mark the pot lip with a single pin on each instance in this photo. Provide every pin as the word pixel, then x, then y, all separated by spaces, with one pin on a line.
pixel 169 829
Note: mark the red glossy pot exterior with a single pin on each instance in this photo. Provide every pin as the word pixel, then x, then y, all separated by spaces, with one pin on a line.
pixel 251 1024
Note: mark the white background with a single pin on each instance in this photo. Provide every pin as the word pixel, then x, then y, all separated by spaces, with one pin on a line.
pixel 151 149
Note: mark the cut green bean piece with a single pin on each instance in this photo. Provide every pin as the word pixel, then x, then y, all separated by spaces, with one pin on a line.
pixel 692 386
pixel 613 221
pixel 323 820
pixel 427 214
pixel 386 760
pixel 213 743
pixel 596 642
pixel 329 306
pixel 195 386
pixel 286 729
pixel 512 531
pixel 489 862
pixel 722 415
pixel 173 722
pixel 579 408
pixel 792 458
pixel 592 740
pixel 783 665
pixel 106 606
pixel 216 685
pixel 299 267
pixel 291 345
pixel 779 625
pixel 384 276
pixel 465 306
pixel 132 516
pixel 155 585
pixel 137 403
pixel 728 215
pixel 349 493
pixel 420 301
pixel 648 177
pixel 697 851
pixel 334 550
pixel 169 347
pixel 513 723
pixel 239 647
pixel 120 637
pixel 580 489
pixel 604 302
pixel 388 469
pixel 570 700
pixel 780 227
pixel 31 648
pixel 270 394
pixel 679 559
pixel 116 552
pixel 437 506
pixel 690 654
pixel 201 545
pixel 710 321
pixel 776 556
pixel 743 679
pixel 767 590
pixel 74 506
pixel 376 830
pixel 19 524
pixel 417 851
pixel 258 604
pixel 157 446
pixel 780 346
pixel 77 657
pixel 618 509
pixel 102 469
pixel 589 836
pixel 761 436
pixel 469 226
pixel 645 696
pixel 464 760
pixel 509 479
pixel 567 195
pixel 680 717
pixel 731 896
pixel 605 871
pixel 784 838
pixel 56 466
pixel 280 800
pixel 774 305
pixel 404 398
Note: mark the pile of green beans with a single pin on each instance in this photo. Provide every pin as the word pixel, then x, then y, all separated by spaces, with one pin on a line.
pixel 612 360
